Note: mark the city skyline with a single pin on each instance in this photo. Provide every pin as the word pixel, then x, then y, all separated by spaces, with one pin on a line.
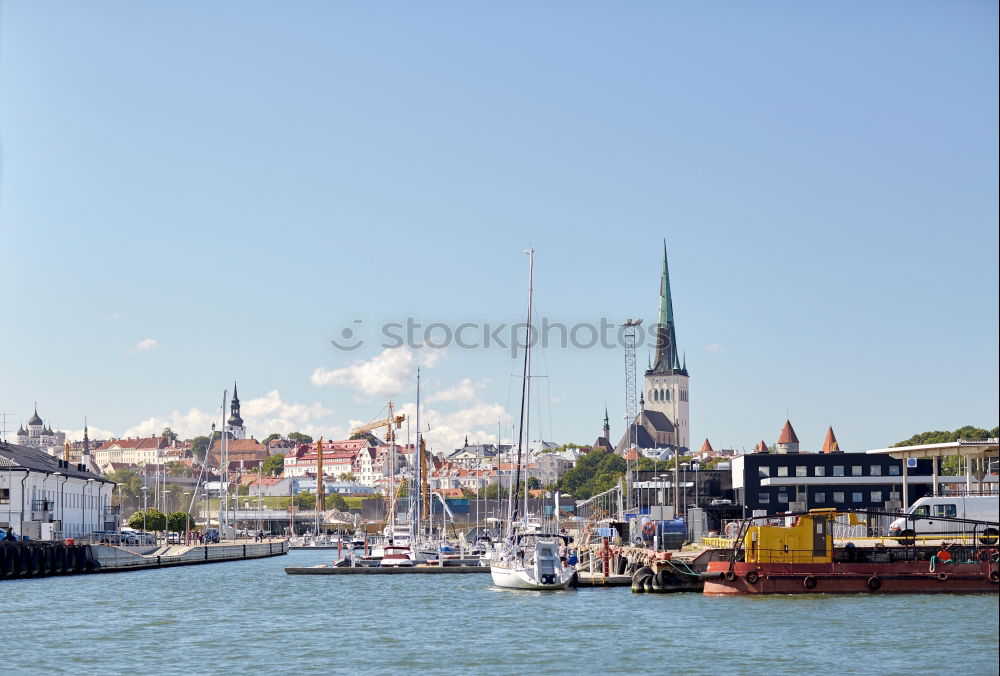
pixel 175 219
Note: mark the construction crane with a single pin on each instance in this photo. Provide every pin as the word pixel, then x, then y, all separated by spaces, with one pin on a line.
pixel 392 423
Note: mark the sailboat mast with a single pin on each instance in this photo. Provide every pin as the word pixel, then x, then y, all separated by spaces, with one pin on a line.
pixel 525 391
pixel 527 379
pixel 415 492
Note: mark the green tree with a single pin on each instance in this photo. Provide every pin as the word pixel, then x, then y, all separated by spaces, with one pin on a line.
pixel 169 435
pixel 179 521
pixel 347 476
pixel 300 438
pixel 951 465
pixel 243 489
pixel 306 500
pixel 366 435
pixel 128 493
pixel 534 482
pixel 154 520
pixel 273 464
pixel 336 501
pixel 594 473
pixel 177 468
pixel 199 447
pixel 271 437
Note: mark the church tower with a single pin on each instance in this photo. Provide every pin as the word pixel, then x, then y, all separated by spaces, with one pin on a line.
pixel 234 426
pixel 666 384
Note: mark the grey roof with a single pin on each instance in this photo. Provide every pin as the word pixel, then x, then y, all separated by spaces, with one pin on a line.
pixel 13 456
pixel 35 419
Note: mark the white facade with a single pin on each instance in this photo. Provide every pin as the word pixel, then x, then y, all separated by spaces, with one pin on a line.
pixel 73 501
pixel 668 394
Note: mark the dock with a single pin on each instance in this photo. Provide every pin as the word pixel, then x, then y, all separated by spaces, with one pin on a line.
pixel 393 570
pixel 49 559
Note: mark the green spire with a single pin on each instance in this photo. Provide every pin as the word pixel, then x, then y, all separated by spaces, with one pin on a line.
pixel 666 304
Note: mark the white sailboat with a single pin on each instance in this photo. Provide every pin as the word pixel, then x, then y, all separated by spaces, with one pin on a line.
pixel 528 559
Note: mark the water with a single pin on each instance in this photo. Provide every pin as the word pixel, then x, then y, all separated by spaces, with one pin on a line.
pixel 249 616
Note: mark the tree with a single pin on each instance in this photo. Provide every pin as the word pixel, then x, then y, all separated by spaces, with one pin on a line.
pixel 306 500
pixel 366 435
pixel 177 468
pixel 534 482
pixel 300 438
pixel 127 495
pixel 336 501
pixel 273 465
pixel 154 520
pixel 594 473
pixel 169 435
pixel 243 489
pixel 271 437
pixel 347 476
pixel 199 447
pixel 179 521
pixel 951 464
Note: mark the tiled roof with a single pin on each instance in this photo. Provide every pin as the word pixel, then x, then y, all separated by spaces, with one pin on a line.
pixel 707 447
pixel 761 447
pixel 788 434
pixel 13 456
pixel 830 443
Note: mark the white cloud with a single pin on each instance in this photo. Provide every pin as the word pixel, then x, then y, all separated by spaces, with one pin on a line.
pixel 714 347
pixel 146 344
pixel 118 316
pixel 386 374
pixel 94 433
pixel 464 390
pixel 261 416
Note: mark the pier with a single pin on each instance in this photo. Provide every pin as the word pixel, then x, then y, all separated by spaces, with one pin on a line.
pixel 392 570
pixel 47 559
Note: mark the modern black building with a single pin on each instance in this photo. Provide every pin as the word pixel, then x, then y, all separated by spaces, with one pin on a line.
pixel 775 482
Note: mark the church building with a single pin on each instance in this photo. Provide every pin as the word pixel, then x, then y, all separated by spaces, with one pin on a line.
pixel 662 422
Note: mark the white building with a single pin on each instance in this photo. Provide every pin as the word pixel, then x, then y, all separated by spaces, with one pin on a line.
pixel 45 498
pixel 39 435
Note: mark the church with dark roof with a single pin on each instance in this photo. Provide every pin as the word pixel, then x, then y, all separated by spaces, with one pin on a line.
pixel 662 422
pixel 39 435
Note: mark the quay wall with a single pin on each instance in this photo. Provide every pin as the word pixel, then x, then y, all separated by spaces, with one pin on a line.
pixel 110 558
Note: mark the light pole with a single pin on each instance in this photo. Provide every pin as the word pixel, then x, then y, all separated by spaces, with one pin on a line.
pixel 696 466
pixel 85 486
pixel 187 522
pixel 145 504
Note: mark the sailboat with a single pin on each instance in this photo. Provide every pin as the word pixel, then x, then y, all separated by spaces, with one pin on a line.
pixel 528 558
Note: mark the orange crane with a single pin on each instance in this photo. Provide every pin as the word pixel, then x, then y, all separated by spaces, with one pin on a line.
pixel 393 423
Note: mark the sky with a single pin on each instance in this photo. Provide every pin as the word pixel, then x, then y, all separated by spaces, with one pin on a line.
pixel 194 194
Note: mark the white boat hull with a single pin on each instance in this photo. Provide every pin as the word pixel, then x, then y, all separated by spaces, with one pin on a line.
pixel 523 578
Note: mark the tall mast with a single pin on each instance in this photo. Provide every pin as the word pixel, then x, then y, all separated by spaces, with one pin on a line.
pixel 223 494
pixel 391 438
pixel 415 488
pixel 525 393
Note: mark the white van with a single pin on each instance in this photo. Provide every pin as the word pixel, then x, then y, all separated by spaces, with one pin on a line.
pixel 972 507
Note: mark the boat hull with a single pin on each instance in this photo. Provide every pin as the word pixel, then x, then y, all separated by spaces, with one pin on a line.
pixel 513 578
pixel 905 577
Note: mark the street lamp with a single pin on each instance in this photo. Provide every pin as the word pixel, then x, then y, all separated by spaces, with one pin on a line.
pixel 89 481
pixel 696 466
pixel 187 522
pixel 145 503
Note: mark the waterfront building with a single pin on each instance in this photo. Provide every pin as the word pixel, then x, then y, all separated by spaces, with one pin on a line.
pixel 783 482
pixel 664 402
pixel 135 452
pixel 45 497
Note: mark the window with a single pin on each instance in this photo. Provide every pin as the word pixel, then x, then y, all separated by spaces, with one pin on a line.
pixel 763 472
pixel 819 497
pixel 783 497
pixel 856 470
pixel 857 496
pixel 876 496
pixel 838 497
pixel 875 470
pixel 945 510
pixel 894 470
pixel 4 496
pixel 838 470
pixel 782 471
pixel 820 471
pixel 922 510
pixel 763 498
pixel 801 470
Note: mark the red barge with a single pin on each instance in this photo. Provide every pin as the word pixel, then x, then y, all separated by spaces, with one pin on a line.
pixel 800 558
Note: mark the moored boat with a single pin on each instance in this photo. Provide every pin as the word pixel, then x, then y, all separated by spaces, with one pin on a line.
pixel 800 558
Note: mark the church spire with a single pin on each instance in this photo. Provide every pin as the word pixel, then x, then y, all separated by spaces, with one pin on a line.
pixel 234 410
pixel 667 359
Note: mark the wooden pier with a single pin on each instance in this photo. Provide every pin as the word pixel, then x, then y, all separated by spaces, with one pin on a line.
pixel 392 570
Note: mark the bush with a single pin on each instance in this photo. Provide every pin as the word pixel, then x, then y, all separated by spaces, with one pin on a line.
pixel 154 520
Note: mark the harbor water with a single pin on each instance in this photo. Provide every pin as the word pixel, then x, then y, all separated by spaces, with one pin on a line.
pixel 251 616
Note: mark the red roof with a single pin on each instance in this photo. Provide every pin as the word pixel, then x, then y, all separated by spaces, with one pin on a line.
pixel 707 447
pixel 788 434
pixel 830 443
pixel 761 447
pixel 139 443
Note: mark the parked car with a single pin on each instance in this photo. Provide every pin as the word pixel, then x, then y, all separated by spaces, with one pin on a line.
pixel 173 538
pixel 211 535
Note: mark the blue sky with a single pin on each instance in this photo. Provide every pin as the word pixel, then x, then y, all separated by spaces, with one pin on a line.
pixel 239 182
